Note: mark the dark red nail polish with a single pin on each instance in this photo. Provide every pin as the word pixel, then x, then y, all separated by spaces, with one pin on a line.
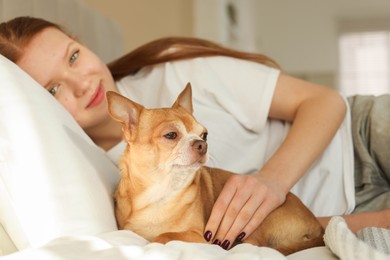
pixel 217 242
pixel 207 235
pixel 241 236
pixel 225 244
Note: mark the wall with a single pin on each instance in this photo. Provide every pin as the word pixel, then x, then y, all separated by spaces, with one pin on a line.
pixel 301 34
pixel 146 20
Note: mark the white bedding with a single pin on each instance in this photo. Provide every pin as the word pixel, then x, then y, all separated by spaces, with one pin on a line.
pixel 126 245
pixel 340 241
pixel 346 245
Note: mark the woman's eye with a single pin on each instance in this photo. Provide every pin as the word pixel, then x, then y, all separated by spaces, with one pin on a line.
pixel 171 135
pixel 53 90
pixel 74 57
pixel 204 136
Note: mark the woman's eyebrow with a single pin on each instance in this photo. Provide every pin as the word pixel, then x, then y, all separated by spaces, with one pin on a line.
pixel 67 50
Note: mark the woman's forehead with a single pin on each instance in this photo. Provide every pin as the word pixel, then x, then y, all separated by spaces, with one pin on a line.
pixel 50 41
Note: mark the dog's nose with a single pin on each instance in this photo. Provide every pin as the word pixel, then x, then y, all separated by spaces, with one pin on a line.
pixel 200 146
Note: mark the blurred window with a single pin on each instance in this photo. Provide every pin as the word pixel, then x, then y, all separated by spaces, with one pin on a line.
pixel 364 62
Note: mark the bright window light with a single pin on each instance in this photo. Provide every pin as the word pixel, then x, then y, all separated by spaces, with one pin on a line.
pixel 365 63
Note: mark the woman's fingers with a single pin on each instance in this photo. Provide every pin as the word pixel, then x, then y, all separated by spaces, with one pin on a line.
pixel 218 212
pixel 235 194
pixel 236 214
pixel 265 208
pixel 241 207
pixel 239 229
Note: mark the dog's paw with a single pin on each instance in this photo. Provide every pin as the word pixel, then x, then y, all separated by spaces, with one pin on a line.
pixel 164 238
pixel 189 236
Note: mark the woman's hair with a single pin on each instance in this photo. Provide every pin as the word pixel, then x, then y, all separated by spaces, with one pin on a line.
pixel 17 33
pixel 177 48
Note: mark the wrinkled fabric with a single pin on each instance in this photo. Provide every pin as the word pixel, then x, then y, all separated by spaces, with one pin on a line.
pixel 370 117
pixel 346 246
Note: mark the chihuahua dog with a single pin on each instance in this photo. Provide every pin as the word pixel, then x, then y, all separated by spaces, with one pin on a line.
pixel 166 193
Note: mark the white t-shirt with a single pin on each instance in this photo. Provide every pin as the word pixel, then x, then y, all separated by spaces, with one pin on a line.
pixel 232 98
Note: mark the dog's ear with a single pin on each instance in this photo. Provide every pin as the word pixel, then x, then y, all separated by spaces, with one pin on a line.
pixel 123 109
pixel 185 99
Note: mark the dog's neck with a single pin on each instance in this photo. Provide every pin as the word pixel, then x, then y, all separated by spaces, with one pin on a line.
pixel 151 185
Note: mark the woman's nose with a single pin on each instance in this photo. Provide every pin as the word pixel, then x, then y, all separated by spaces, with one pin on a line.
pixel 80 84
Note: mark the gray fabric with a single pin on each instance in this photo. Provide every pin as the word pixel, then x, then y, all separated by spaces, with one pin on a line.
pixel 378 238
pixel 371 137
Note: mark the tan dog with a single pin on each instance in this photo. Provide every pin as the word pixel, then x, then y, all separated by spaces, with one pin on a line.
pixel 165 193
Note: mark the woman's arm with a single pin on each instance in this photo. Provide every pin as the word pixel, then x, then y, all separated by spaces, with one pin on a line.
pixel 358 221
pixel 316 113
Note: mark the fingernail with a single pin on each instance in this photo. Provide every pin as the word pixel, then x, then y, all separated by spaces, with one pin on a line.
pixel 207 235
pixel 226 244
pixel 217 242
pixel 241 236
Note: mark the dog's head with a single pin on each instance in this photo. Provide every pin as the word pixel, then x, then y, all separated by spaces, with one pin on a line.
pixel 162 139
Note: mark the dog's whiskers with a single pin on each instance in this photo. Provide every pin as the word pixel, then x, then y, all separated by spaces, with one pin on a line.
pixel 212 160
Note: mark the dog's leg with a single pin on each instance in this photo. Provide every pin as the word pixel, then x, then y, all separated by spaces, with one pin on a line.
pixel 315 242
pixel 190 236
pixel 286 250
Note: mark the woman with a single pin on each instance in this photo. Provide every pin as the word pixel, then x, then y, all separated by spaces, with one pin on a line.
pixel 291 134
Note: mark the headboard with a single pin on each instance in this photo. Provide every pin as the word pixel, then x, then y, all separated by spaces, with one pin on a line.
pixel 98 32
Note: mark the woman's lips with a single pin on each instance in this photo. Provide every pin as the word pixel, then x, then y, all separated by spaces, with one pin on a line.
pixel 97 97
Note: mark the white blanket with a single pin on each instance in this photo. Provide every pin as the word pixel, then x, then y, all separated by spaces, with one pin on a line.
pixel 127 245
pixel 343 243
pixel 123 244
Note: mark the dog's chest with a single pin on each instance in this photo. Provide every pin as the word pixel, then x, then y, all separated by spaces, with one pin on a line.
pixel 149 223
pixel 171 214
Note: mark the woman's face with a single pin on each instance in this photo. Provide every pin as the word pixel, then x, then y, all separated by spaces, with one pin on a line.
pixel 74 75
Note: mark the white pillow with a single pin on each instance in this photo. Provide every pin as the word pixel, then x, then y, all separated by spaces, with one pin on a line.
pixel 54 180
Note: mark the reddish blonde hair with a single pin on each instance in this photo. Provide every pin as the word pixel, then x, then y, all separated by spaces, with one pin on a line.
pixel 177 48
pixel 16 34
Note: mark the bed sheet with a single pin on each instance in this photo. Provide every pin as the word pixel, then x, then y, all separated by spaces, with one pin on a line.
pixel 340 242
pixel 125 244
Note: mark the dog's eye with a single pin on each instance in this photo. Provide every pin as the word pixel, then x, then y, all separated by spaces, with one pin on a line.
pixel 171 135
pixel 204 136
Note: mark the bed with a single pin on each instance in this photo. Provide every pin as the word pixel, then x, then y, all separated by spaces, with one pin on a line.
pixel 56 186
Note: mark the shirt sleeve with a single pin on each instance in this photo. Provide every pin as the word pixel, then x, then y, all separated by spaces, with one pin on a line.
pixel 242 88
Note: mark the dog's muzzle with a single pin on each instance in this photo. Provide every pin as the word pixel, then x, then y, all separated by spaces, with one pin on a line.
pixel 200 146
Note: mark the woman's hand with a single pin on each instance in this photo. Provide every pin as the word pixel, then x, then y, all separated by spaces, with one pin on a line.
pixel 242 205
